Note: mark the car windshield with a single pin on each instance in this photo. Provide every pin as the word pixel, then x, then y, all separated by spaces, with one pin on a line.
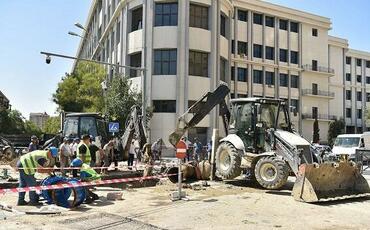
pixel 347 141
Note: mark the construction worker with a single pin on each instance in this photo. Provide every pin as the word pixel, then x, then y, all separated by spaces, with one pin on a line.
pixel 83 150
pixel 27 165
pixel 34 145
pixel 87 174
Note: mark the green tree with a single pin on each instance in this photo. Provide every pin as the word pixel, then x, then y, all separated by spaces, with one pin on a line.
pixel 81 91
pixel 336 127
pixel 316 131
pixel 52 125
pixel 120 97
pixel 12 122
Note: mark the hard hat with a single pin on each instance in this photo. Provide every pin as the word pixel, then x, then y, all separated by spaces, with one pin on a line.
pixel 54 151
pixel 76 162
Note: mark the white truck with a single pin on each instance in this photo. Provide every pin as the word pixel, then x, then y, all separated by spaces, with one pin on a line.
pixel 348 143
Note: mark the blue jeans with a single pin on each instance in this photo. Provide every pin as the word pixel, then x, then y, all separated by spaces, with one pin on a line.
pixel 27 181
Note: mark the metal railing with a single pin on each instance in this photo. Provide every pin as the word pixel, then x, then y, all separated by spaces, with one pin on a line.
pixel 318 93
pixel 318 116
pixel 318 68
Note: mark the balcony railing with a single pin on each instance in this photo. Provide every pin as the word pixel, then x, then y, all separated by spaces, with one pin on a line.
pixel 318 93
pixel 318 68
pixel 318 116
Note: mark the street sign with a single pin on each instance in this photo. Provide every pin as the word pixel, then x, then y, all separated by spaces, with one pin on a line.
pixel 181 150
pixel 113 127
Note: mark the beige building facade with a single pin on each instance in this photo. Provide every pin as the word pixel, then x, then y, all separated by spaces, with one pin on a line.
pixel 39 119
pixel 258 48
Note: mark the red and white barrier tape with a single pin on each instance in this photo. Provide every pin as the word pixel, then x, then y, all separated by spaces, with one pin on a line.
pixel 81 184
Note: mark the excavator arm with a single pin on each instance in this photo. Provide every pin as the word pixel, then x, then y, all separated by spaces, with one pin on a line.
pixel 200 109
pixel 135 128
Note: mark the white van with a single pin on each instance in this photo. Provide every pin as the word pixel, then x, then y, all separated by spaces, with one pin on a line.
pixel 348 143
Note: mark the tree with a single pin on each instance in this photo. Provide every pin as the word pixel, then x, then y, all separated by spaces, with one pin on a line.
pixel 120 97
pixel 12 122
pixel 316 131
pixel 52 125
pixel 81 91
pixel 336 127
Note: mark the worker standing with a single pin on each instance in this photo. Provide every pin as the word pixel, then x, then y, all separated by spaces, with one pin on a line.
pixel 157 149
pixel 108 154
pixel 74 145
pixel 34 145
pixel 27 165
pixel 65 153
pixel 131 154
pixel 87 174
pixel 83 150
pixel 198 148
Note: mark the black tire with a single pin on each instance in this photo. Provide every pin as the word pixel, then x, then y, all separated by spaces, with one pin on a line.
pixel 271 172
pixel 228 161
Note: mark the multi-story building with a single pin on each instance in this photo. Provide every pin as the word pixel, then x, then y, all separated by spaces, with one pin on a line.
pixel 39 119
pixel 260 49
pixel 4 102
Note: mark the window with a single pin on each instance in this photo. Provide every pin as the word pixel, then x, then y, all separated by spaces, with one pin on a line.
pixel 270 53
pixel 294 27
pixel 232 46
pixel 257 19
pixel 166 14
pixel 88 126
pixel 283 55
pixel 348 95
pixel 294 81
pixel 315 112
pixel 257 51
pixel 232 73
pixel 348 112
pixel 358 62
pixel 198 16
pixel 367 64
pixel 359 113
pixel 269 21
pixel 242 74
pixel 315 89
pixel 359 96
pixel 165 62
pixel 136 19
pixel 367 80
pixel 135 61
pixel 242 15
pixel 270 78
pixel 222 69
pixel 367 97
pixel 358 78
pixel 283 24
pixel 348 60
pixel 242 48
pixel 223 25
pixel 257 76
pixel 198 63
pixel 118 33
pixel 295 103
pixel 294 57
pixel 284 80
pixel 314 65
pixel 348 77
pixel 240 95
pixel 164 106
pixel 314 32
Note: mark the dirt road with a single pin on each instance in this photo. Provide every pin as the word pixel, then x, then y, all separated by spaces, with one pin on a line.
pixel 233 205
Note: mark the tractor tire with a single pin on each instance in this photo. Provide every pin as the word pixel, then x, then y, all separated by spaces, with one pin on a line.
pixel 228 161
pixel 271 172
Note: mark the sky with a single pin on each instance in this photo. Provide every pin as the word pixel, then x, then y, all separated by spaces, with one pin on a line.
pixel 30 26
pixel 26 28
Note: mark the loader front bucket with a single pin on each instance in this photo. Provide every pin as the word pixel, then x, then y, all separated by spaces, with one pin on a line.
pixel 329 181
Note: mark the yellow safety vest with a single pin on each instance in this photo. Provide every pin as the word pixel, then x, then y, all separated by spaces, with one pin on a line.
pixel 29 161
pixel 87 154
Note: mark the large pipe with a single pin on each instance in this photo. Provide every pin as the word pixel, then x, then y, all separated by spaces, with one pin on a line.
pixel 191 171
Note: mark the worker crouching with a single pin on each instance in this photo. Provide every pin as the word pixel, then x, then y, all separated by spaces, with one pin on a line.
pixel 87 174
pixel 28 165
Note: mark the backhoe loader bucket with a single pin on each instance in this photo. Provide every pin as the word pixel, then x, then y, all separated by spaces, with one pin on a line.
pixel 329 181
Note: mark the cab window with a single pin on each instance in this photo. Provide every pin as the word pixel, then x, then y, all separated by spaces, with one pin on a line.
pixel 88 126
pixel 71 127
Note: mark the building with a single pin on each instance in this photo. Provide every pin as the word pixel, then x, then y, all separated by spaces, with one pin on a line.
pixel 4 102
pixel 39 119
pixel 260 49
